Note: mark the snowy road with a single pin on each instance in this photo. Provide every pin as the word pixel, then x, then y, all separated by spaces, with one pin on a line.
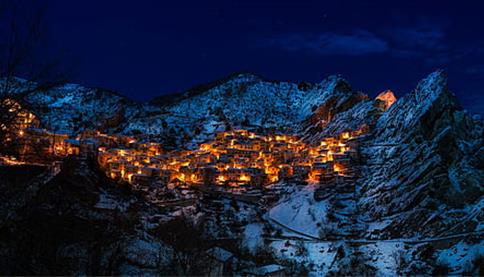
pixel 287 228
pixel 367 241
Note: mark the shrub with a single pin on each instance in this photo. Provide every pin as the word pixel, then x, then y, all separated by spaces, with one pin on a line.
pixel 441 269
pixel 476 267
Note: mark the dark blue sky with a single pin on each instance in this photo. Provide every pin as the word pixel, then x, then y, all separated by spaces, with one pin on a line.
pixel 147 48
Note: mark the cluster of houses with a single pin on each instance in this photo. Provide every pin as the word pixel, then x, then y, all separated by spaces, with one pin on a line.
pixel 32 143
pixel 234 158
pixel 28 141
pixel 41 143
pixel 17 119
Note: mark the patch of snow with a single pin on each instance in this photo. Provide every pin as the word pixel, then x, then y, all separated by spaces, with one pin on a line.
pixel 107 202
pixel 252 237
pixel 461 255
pixel 300 212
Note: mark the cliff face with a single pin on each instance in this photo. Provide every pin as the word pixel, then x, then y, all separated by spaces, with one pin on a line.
pixel 421 165
pixel 421 161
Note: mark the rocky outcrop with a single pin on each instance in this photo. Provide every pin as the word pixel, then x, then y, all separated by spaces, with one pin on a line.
pixel 420 176
pixel 340 108
pixel 360 115
pixel 387 99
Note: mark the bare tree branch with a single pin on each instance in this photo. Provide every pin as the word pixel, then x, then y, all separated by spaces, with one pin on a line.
pixel 20 48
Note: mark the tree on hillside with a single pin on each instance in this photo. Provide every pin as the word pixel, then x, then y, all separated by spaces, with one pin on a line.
pixel 186 239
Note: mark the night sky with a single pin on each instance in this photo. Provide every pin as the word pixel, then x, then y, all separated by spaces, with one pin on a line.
pixel 143 49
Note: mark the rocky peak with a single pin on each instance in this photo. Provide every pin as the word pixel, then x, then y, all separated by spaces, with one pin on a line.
pixel 338 108
pixel 387 98
pixel 420 110
pixel 420 157
pixel 335 84
pixel 431 87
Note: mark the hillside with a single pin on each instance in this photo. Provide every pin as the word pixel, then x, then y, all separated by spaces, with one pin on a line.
pixel 415 206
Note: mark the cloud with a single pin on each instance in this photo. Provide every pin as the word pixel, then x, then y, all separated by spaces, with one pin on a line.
pixel 424 43
pixel 423 38
pixel 356 43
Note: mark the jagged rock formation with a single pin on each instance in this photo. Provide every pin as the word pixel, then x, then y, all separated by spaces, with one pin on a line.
pixel 422 169
pixel 387 98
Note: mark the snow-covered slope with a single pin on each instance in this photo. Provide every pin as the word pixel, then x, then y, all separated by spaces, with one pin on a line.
pixel 71 108
pixel 243 101
pixel 182 120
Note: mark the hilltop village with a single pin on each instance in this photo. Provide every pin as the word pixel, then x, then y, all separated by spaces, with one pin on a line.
pixel 235 158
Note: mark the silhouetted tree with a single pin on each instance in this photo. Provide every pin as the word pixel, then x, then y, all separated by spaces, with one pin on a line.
pixel 21 30
pixel 186 239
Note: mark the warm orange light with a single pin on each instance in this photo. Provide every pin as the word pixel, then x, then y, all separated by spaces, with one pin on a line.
pixel 338 168
pixel 221 178
pixel 270 154
pixel 205 147
pixel 193 177
pixel 245 178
